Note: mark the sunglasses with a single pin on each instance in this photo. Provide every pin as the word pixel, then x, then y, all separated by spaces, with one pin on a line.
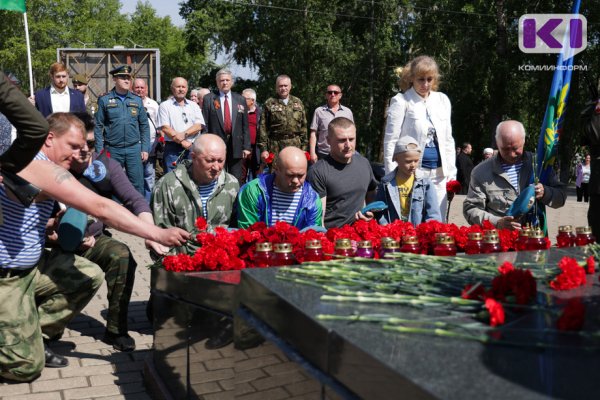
pixel 185 119
pixel 334 92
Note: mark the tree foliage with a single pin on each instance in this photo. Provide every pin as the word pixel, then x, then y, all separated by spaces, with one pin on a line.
pixel 93 24
pixel 357 44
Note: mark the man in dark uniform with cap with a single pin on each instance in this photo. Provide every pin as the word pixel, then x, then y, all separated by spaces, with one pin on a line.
pixel 122 127
pixel 80 83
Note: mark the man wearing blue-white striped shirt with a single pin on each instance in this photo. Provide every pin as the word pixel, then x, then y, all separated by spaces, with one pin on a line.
pixel 283 195
pixel 42 290
pixel 496 182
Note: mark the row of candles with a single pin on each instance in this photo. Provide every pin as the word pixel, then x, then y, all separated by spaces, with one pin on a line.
pixel 281 254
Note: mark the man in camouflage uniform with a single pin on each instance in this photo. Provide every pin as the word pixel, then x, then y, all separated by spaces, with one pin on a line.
pixel 122 127
pixel 196 188
pixel 80 83
pixel 57 290
pixel 32 277
pixel 105 177
pixel 283 122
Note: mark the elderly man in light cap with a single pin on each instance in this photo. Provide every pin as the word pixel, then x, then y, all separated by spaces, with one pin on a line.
pixel 488 152
pixel 407 196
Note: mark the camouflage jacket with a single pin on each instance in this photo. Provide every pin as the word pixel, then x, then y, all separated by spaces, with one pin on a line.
pixel 283 125
pixel 176 202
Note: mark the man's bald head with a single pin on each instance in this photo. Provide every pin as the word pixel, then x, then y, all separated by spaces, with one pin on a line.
pixel 208 158
pixel 207 142
pixel 290 169
pixel 510 138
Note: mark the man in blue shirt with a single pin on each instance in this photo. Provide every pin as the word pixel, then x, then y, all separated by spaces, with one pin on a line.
pixel 122 127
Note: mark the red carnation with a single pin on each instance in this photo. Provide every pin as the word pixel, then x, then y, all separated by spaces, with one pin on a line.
pixel 270 158
pixel 496 312
pixel 161 139
pixel 453 186
pixel 473 292
pixel 506 268
pixel 590 265
pixel 572 317
pixel 307 155
pixel 201 224
pixel 572 275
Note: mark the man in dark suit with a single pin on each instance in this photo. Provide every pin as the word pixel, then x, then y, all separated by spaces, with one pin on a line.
pixel 226 114
pixel 58 97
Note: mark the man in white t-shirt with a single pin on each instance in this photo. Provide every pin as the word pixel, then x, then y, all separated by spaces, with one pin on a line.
pixel 140 87
pixel 181 121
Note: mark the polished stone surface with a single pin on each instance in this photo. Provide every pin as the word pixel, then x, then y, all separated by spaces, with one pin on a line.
pixel 378 364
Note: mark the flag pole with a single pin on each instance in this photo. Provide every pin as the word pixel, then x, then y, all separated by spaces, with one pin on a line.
pixel 28 54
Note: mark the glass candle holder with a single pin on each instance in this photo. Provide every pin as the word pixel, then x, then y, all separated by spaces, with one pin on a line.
pixel 313 251
pixel 474 242
pixel 445 246
pixel 584 236
pixel 343 248
pixel 263 254
pixel 365 249
pixel 491 243
pixel 521 242
pixel 283 255
pixel 410 244
pixel 389 248
pixel 566 237
pixel 537 240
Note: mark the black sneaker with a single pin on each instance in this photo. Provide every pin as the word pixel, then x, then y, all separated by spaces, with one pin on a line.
pixel 54 360
pixel 119 341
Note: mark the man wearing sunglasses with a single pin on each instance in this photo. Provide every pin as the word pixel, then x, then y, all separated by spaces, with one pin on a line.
pixel 318 145
pixel 181 121
pixel 122 127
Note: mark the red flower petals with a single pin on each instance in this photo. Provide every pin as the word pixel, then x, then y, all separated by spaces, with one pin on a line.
pixel 572 317
pixel 572 275
pixel 590 264
pixel 496 312
pixel 453 186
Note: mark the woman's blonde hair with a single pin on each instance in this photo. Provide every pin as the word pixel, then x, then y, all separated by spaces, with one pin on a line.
pixel 420 66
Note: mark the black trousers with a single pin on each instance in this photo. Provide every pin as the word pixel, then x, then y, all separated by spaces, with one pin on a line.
pixel 583 192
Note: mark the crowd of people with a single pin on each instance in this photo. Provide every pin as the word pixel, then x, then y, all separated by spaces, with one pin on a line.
pixel 216 160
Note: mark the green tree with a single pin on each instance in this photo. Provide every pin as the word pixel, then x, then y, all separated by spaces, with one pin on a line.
pixel 353 44
pixel 151 31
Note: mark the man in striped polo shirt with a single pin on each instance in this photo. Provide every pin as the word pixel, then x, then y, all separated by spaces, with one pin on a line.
pixel 497 182
pixel 283 195
pixel 40 290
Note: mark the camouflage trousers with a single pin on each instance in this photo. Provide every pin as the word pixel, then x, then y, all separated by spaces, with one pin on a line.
pixel 118 265
pixel 42 299
pixel 276 144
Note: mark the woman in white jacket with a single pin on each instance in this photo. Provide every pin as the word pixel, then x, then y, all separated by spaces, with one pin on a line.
pixel 424 114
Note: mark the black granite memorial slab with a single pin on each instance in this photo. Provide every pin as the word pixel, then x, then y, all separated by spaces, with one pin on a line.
pixel 378 364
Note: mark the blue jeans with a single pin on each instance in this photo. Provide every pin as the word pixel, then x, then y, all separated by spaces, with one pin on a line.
pixel 149 177
pixel 171 155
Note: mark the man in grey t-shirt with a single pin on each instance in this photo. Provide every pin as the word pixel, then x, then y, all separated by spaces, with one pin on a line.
pixel 344 179
pixel 323 115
